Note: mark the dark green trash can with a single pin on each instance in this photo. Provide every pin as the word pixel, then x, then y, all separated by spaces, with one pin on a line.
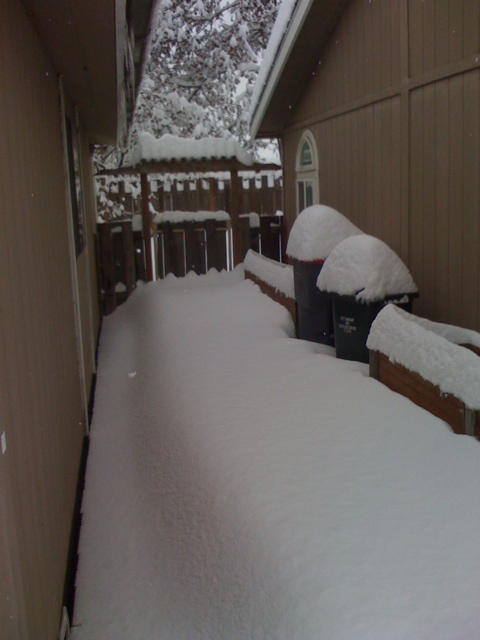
pixel 315 232
pixel 353 319
pixel 314 308
pixel 362 275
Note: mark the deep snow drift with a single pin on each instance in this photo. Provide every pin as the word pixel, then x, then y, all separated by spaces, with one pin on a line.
pixel 242 485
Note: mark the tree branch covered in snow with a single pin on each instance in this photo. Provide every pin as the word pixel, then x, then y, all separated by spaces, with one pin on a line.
pixel 204 60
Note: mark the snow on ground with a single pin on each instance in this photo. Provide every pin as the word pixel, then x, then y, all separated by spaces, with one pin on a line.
pixel 243 485
pixel 317 231
pixel 365 267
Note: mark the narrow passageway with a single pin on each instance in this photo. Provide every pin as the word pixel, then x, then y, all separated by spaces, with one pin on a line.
pixel 243 485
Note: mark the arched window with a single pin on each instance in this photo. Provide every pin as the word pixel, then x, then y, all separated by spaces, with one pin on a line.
pixel 306 166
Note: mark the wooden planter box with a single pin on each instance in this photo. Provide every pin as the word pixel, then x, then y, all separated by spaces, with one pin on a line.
pixel 271 292
pixel 423 393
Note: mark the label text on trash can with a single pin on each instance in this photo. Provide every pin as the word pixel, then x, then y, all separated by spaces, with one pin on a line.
pixel 346 324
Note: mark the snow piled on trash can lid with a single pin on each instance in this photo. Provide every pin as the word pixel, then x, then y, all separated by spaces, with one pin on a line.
pixel 316 231
pixel 415 344
pixel 365 267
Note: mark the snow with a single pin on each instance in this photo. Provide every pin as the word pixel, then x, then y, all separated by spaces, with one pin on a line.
pixel 365 267
pixel 316 231
pixel 181 216
pixel 191 216
pixel 277 275
pixel 170 147
pixel 245 485
pixel 253 219
pixel 414 343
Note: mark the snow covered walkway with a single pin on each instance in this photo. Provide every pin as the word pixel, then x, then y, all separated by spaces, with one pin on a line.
pixel 242 485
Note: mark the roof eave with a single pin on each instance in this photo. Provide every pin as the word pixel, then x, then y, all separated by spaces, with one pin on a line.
pixel 305 39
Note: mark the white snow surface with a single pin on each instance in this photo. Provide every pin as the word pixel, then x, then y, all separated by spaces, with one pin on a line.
pixel 181 216
pixel 413 342
pixel 191 216
pixel 243 485
pixel 253 219
pixel 316 231
pixel 170 147
pixel 276 274
pixel 367 268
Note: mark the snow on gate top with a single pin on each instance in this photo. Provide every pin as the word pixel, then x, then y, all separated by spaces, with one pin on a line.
pixel 170 147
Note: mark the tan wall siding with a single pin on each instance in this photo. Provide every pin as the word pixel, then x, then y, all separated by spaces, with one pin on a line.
pixel 86 269
pixel 395 111
pixel 444 197
pixel 362 57
pixel 40 401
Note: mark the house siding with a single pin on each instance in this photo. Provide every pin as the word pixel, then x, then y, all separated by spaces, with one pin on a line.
pixel 394 107
pixel 41 405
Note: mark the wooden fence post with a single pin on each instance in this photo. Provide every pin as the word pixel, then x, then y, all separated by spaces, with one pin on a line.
pixel 147 227
pixel 212 194
pixel 234 202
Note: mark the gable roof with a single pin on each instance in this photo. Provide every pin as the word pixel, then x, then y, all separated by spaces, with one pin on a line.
pixel 291 65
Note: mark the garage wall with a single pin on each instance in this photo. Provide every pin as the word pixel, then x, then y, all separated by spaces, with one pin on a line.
pixel 394 108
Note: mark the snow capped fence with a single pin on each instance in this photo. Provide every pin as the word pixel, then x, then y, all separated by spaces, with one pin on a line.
pixel 120 197
pixel 274 279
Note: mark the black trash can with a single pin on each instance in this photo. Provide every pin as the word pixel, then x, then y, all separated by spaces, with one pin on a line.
pixel 353 319
pixel 314 307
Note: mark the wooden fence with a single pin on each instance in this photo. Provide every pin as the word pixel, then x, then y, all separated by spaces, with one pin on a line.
pixel 262 194
pixel 179 247
pixel 192 246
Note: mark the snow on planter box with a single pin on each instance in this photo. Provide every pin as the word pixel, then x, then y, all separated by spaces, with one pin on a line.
pixel 437 366
pixel 362 274
pixel 316 231
pixel 274 278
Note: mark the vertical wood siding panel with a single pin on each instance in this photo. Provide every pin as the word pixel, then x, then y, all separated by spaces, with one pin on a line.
pixel 370 170
pixel 369 51
pixel 386 39
pixel 40 368
pixel 394 32
pixel 396 173
pixel 455 262
pixel 471 202
pixel 415 17
pixel 428 9
pixel 377 169
pixel 416 190
pixel 455 30
pixel 387 175
pixel 376 35
pixel 471 28
pixel 442 197
pixel 361 168
pixel 441 33
pixel 428 212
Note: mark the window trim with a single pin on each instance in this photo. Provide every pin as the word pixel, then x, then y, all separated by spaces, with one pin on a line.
pixel 306 173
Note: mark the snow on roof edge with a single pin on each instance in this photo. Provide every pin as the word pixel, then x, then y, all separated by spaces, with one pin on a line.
pixel 283 37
